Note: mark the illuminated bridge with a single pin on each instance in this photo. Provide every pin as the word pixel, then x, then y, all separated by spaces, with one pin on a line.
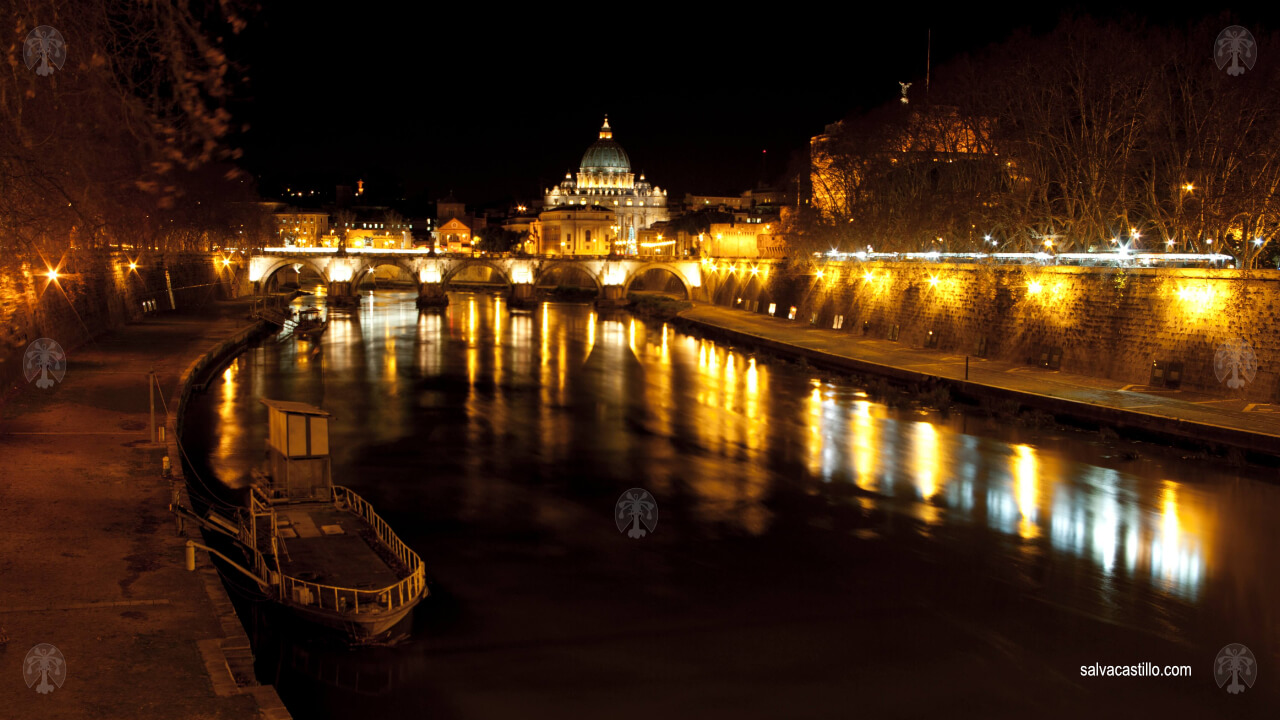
pixel 343 272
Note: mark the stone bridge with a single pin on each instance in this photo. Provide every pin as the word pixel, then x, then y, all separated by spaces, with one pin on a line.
pixel 344 271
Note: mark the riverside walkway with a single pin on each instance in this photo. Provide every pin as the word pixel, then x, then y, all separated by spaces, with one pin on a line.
pixel 1180 414
pixel 89 556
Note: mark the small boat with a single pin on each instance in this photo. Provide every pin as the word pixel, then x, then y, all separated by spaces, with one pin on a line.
pixel 324 553
pixel 310 325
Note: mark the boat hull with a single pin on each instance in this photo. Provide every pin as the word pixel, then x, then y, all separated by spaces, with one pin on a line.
pixel 382 628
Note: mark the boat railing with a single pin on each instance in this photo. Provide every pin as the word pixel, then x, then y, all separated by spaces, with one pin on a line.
pixel 358 600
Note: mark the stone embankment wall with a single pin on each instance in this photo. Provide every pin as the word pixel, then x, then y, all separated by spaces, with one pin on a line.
pixel 97 291
pixel 1106 322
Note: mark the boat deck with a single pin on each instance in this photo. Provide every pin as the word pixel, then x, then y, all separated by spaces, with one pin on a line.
pixel 322 544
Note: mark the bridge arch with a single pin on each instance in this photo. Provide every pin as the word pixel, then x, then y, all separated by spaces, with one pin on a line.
pixel 457 267
pixel 373 264
pixel 650 267
pixel 756 294
pixel 546 268
pixel 277 264
pixel 727 290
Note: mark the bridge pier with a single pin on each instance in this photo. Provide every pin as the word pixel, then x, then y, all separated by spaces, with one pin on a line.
pixel 611 296
pixel 432 296
pixel 341 293
pixel 522 297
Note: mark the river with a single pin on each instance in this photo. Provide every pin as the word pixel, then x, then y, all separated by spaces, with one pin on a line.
pixel 818 553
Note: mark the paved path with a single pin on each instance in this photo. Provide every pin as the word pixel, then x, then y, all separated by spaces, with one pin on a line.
pixel 89 558
pixel 1177 413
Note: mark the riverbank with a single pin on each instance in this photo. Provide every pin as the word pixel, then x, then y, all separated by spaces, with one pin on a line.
pixel 1185 417
pixel 91 560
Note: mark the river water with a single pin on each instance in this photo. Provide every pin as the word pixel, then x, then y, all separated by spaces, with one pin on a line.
pixel 817 553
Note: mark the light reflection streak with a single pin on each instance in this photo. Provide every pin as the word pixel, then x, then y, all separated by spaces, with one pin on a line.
pixel 1026 481
pixel 864 447
pixel 230 436
pixel 545 354
pixel 925 459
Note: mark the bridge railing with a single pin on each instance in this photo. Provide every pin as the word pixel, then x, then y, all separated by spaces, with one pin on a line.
pixel 422 252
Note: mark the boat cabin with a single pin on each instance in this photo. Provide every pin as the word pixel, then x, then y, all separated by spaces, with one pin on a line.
pixel 298 451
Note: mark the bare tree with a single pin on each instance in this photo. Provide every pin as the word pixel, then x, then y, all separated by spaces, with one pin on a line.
pixel 91 154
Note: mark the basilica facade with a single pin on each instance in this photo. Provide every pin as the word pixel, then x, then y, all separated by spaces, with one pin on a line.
pixel 604 182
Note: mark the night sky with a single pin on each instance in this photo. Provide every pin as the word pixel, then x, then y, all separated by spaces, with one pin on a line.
pixel 495 105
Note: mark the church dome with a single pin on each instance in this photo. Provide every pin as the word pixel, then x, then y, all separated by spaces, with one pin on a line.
pixel 605 155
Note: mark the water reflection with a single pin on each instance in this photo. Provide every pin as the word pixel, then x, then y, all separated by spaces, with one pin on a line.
pixel 520 421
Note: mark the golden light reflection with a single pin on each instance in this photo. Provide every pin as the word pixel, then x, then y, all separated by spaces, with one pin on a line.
pixel 497 322
pixel 562 369
pixel 925 459
pixel 545 349
pixel 864 447
pixel 471 321
pixel 1026 480
pixel 814 436
pixel 1176 557
pixel 730 383
pixel 1169 510
pixel 230 433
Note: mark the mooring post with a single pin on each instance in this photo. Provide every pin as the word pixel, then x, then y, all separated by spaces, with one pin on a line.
pixel 966 367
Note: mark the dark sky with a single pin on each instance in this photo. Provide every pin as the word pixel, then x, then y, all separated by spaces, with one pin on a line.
pixel 497 104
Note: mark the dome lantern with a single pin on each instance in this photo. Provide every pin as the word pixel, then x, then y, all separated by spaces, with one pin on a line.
pixel 605 155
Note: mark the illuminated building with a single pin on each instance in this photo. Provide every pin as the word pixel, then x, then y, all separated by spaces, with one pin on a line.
pixel 301 227
pixel 454 236
pixel 605 180
pixel 582 230
pixel 456 229
pixel 747 240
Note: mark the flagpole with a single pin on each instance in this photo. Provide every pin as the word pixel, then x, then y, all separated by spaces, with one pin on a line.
pixel 928 59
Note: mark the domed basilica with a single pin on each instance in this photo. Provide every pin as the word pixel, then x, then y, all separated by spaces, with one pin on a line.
pixel 605 182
